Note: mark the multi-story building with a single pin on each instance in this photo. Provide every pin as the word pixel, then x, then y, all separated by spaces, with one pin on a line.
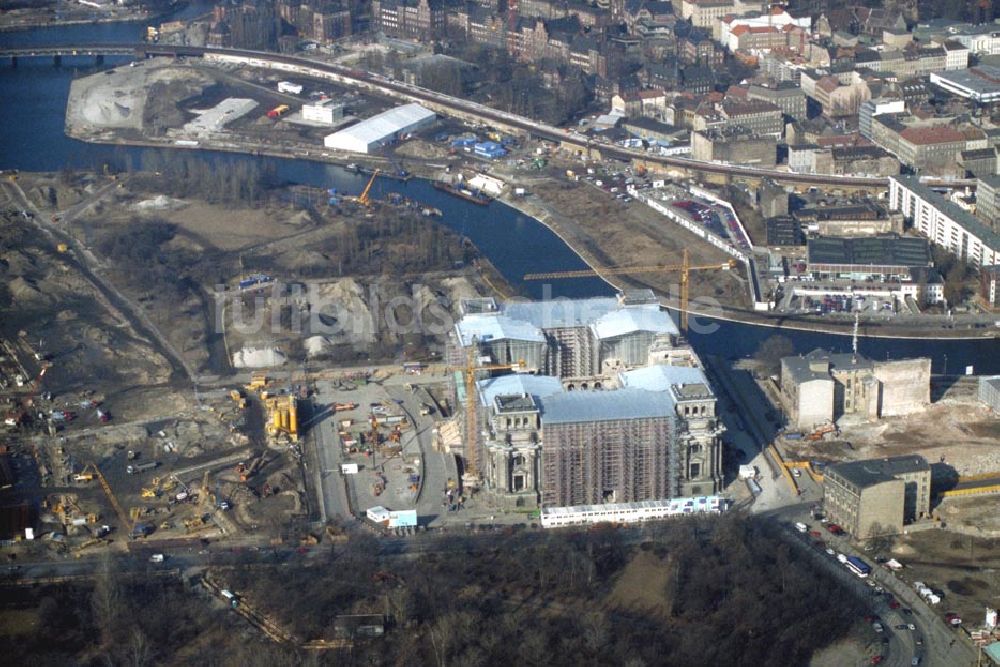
pixel 980 161
pixel 944 223
pixel 867 258
pixel 777 18
pixel 981 84
pixel 422 20
pixel 785 95
pixel 849 219
pixel 876 107
pixel 863 161
pixel 988 201
pixel 819 388
pixel 734 145
pixel 655 437
pixel 904 63
pixel 837 97
pixel 877 496
pixel 698 48
pixel 957 54
pixel 989 286
pixel 706 13
pixel 810 159
pixel 757 116
pixel 763 39
pixel 579 339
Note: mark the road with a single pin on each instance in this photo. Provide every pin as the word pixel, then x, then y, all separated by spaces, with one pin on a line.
pixel 91 268
pixel 324 459
pixel 941 645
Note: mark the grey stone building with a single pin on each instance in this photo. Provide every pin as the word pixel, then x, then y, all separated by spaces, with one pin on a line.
pixel 877 496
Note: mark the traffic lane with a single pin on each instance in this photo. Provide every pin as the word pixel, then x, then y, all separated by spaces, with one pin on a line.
pixel 941 644
pixel 328 455
pixel 898 652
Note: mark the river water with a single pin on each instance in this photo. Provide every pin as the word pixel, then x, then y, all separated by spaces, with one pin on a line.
pixel 32 138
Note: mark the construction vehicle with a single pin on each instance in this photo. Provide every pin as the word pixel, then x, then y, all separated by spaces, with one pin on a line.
pixel 258 381
pixel 92 470
pixel 246 471
pixel 236 395
pixel 364 199
pixel 62 247
pixel 278 111
pixel 820 432
pixel 685 269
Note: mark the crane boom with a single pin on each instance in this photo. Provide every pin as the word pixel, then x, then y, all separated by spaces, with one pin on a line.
pixel 122 516
pixel 685 268
pixel 363 198
pixel 471 416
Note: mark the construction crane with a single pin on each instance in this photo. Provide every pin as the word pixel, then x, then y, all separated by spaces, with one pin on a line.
pixel 363 198
pixel 471 476
pixel 685 268
pixel 92 469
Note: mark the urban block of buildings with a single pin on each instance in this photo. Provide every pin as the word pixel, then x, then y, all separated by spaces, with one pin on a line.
pixel 821 387
pixel 877 496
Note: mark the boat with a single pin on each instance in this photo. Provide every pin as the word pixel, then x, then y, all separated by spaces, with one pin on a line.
pixel 463 193
pixel 397 175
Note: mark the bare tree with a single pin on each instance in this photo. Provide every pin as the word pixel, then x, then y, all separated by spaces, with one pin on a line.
pixel 140 653
pixel 107 601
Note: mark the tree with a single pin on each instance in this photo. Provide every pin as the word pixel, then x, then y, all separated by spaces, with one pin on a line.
pixel 771 351
pixel 107 601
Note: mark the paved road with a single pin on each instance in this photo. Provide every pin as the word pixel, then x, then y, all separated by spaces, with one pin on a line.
pixel 942 645
pixel 324 459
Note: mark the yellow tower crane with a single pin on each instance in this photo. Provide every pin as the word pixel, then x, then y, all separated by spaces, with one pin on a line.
pixel 685 268
pixel 469 370
pixel 363 198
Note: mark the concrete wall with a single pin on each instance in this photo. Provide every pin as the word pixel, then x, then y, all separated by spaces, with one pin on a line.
pixel 815 403
pixel 881 509
pixel 906 385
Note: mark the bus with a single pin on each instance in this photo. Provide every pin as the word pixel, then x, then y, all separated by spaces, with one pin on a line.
pixel 858 567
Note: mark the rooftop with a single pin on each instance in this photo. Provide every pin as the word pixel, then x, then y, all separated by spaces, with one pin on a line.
pixel 518 384
pixel 386 123
pixel 597 406
pixel 963 218
pixel 870 251
pixel 817 364
pixel 662 377
pixel 982 79
pixel 493 326
pixel 874 471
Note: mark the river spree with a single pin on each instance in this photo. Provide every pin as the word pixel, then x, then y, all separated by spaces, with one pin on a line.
pixel 32 138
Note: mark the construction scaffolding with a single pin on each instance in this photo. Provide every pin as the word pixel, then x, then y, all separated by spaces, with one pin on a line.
pixel 618 460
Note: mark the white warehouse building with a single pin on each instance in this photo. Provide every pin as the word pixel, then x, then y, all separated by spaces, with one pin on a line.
pixel 382 129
